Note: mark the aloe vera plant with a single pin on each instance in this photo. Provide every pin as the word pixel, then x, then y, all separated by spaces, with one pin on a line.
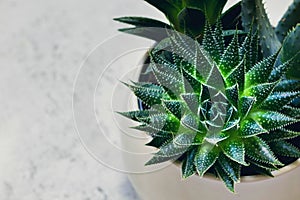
pixel 219 107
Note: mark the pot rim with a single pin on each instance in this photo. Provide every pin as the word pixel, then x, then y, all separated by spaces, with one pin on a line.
pixel 254 178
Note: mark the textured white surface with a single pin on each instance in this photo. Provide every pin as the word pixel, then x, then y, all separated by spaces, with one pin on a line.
pixel 42 43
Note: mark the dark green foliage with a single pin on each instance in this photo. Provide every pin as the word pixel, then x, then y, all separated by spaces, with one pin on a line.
pixel 145 27
pixel 291 50
pixel 254 15
pixel 185 16
pixel 288 20
pixel 232 120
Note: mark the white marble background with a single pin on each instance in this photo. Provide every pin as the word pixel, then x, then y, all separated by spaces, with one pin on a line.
pixel 42 43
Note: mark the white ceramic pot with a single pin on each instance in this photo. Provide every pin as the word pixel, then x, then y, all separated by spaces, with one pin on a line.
pixel 166 184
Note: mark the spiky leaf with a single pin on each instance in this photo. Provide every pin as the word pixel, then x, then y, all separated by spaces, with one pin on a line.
pixel 251 128
pixel 260 92
pixel 246 104
pixel 259 151
pixel 232 169
pixel 149 93
pixel 188 167
pixel 272 120
pixel 284 148
pixel 278 100
pixel 235 150
pixel 260 72
pixel 279 134
pixel 205 158
pixel 227 180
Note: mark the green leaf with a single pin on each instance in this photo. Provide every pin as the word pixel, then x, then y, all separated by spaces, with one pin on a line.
pixel 191 84
pixel 271 120
pixel 279 134
pixel 232 169
pixel 149 93
pixel 250 128
pixel 160 56
pixel 254 17
pixel 172 149
pixel 259 151
pixel 209 43
pixel 215 79
pixel 216 135
pixel 252 55
pixel 237 76
pixel 142 22
pixel 230 58
pixel 218 33
pixel 231 18
pixel 245 105
pixel 165 122
pixel 233 124
pixel 205 158
pixel 188 167
pixel 287 86
pixel 191 21
pixel 185 139
pixel 175 107
pixel 159 159
pixel 168 78
pixel 204 65
pixel 260 92
pixel 194 60
pixel 278 100
pixel 232 95
pixel 212 8
pixel 257 165
pixel 192 101
pixel 168 8
pixel 260 72
pixel 280 71
pixel 291 49
pixel 284 148
pixel 230 33
pixel 230 114
pixel 183 47
pixel 192 122
pixel 154 132
pixel 227 180
pixel 234 149
pixel 135 115
pixel 291 111
pixel 156 34
pixel 159 141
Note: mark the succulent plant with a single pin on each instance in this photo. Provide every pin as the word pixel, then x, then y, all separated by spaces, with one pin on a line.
pixel 217 108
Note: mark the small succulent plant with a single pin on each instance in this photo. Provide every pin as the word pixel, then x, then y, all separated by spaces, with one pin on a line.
pixel 220 105
pixel 217 108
